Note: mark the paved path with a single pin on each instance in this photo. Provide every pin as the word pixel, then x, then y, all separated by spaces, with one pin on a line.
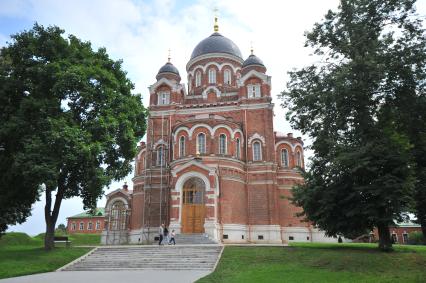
pixel 132 276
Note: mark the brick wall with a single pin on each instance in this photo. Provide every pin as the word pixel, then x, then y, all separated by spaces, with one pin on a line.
pixel 92 225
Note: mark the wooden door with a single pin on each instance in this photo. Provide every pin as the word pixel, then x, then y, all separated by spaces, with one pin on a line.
pixel 193 208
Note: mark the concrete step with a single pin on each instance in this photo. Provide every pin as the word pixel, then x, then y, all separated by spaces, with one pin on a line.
pixel 149 257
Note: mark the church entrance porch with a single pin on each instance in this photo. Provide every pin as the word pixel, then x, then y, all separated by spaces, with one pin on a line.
pixel 193 206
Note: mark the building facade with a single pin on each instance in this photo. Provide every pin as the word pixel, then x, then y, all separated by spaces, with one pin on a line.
pixel 212 162
pixel 86 222
pixel 400 232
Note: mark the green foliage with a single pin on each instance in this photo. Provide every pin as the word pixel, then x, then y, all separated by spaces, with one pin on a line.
pixel 16 238
pixel 352 105
pixel 68 120
pixel 18 260
pixel 61 229
pixel 307 262
pixel 416 238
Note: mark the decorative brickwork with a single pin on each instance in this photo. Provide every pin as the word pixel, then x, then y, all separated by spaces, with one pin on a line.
pixel 219 131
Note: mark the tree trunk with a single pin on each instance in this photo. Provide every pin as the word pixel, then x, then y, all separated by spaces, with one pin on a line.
pixel 48 236
pixel 49 243
pixel 51 216
pixel 385 242
pixel 423 225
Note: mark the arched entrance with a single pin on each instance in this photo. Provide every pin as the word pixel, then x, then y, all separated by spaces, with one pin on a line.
pixel 193 207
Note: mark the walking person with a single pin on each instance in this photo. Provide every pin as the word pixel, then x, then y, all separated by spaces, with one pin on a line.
pixel 172 237
pixel 161 232
pixel 166 234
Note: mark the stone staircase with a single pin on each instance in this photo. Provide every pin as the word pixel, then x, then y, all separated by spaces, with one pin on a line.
pixel 179 257
pixel 193 239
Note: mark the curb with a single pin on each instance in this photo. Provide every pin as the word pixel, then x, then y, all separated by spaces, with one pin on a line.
pixel 76 260
pixel 218 259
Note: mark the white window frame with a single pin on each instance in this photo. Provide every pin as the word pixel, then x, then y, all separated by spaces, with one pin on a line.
pixel 198 79
pixel 81 226
pixel 298 158
pixel 403 238
pixel 222 144
pixel 238 149
pixel 73 226
pixel 98 225
pixel 212 76
pixel 257 156
pixel 163 98
pixel 182 146
pixel 227 77
pixel 160 156
pixel 253 91
pixel 89 226
pixel 284 157
pixel 201 147
pixel 396 237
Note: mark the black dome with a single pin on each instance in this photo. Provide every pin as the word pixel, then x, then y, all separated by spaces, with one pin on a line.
pixel 253 60
pixel 169 68
pixel 216 43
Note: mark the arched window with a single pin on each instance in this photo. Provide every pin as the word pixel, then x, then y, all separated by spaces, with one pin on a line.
pixel 182 146
pixel 212 76
pixel 222 144
pixel 238 150
pixel 73 226
pixel 227 77
pixel 284 158
pixel 257 151
pixel 90 226
pixel 81 226
pixel 160 156
pixel 201 143
pixel 298 159
pixel 118 216
pixel 198 79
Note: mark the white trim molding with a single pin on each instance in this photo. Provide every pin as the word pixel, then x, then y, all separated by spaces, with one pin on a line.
pixel 265 78
pixel 160 142
pixel 256 136
pixel 171 83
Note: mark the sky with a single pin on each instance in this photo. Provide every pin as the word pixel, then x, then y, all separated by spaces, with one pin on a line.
pixel 141 32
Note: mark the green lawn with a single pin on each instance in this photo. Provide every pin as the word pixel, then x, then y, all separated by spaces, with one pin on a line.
pixel 79 239
pixel 320 263
pixel 21 254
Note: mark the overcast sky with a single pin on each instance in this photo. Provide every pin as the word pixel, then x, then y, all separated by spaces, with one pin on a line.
pixel 141 32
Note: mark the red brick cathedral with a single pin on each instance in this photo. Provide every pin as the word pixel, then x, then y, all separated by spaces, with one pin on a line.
pixel 212 162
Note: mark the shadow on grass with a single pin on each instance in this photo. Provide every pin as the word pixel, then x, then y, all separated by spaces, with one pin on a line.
pixel 369 247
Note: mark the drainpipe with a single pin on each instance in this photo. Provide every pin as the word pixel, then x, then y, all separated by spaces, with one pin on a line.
pixel 248 194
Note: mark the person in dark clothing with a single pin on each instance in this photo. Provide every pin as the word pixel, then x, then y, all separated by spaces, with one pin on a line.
pixel 166 235
pixel 161 232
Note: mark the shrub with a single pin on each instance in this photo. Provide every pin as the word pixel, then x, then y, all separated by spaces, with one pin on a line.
pixel 416 238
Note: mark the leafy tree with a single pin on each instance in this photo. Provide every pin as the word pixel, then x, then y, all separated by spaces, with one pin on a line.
pixel 69 122
pixel 62 229
pixel 350 104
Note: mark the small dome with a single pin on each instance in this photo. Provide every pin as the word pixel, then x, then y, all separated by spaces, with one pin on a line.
pixel 216 43
pixel 253 60
pixel 169 68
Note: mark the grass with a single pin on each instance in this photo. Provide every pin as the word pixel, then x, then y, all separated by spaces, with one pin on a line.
pixel 306 262
pixel 78 239
pixel 21 254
